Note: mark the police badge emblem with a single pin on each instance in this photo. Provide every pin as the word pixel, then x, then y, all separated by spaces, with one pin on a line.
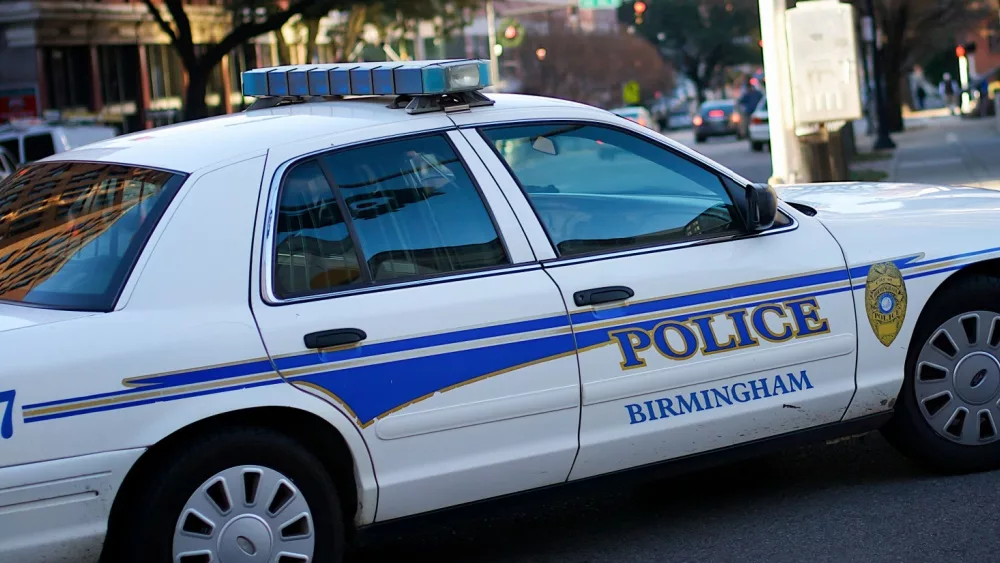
pixel 885 301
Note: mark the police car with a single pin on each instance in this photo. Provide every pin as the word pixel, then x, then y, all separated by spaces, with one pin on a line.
pixel 381 291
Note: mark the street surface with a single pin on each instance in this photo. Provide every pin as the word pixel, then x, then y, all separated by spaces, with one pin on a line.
pixel 733 154
pixel 855 500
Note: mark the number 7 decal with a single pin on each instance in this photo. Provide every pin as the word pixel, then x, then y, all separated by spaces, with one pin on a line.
pixel 7 422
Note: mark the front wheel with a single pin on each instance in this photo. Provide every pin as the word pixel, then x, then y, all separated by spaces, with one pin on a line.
pixel 237 496
pixel 948 411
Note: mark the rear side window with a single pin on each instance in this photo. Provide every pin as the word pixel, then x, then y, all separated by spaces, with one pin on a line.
pixel 70 232
pixel 380 213
pixel 37 147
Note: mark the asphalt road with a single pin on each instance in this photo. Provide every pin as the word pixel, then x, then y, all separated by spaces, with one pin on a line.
pixel 733 154
pixel 852 501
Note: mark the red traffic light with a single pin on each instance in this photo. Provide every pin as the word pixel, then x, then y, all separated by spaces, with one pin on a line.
pixel 640 7
pixel 960 51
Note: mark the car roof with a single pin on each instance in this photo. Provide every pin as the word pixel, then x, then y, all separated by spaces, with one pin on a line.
pixel 718 103
pixel 190 146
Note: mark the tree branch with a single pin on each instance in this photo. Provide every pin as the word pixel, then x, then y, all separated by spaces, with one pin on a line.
pixel 247 31
pixel 176 8
pixel 161 22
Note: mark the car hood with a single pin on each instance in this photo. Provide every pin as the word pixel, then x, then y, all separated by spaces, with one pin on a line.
pixel 880 221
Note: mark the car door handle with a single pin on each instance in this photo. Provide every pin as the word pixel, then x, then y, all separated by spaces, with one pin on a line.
pixel 602 295
pixel 331 338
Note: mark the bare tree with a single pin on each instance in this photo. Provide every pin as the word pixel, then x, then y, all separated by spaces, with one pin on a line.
pixel 252 18
pixel 915 29
pixel 700 37
pixel 590 68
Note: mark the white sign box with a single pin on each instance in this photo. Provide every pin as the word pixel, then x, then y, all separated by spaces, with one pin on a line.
pixel 823 59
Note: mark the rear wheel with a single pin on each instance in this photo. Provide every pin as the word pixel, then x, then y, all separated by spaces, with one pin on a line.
pixel 700 139
pixel 948 412
pixel 238 496
pixel 756 146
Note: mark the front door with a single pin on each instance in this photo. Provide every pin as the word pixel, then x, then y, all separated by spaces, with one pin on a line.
pixel 693 334
pixel 405 293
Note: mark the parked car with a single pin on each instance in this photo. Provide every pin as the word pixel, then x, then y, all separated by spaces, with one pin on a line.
pixel 638 114
pixel 34 139
pixel 717 118
pixel 759 131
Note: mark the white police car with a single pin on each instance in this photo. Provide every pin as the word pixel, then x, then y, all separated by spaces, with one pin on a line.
pixel 241 339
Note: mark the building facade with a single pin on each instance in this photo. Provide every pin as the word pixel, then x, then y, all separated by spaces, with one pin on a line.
pixel 106 60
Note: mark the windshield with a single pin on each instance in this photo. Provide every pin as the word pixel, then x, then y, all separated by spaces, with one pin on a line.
pixel 70 232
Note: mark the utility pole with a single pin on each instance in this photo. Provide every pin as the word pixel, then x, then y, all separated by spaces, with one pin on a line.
pixel 884 141
pixel 786 152
pixel 491 31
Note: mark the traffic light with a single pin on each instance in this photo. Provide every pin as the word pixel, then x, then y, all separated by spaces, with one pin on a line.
pixel 640 9
pixel 965 49
pixel 512 33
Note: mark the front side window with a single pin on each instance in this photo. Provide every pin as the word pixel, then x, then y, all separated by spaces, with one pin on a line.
pixel 70 232
pixel 411 211
pixel 600 189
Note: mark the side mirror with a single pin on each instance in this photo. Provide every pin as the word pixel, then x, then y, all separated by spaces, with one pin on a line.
pixel 761 207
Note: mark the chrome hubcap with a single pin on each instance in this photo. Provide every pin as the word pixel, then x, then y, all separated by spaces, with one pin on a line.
pixel 245 514
pixel 958 378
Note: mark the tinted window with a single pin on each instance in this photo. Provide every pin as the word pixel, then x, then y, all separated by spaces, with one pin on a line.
pixel 597 188
pixel 314 251
pixel 70 232
pixel 412 210
pixel 11 146
pixel 415 209
pixel 37 147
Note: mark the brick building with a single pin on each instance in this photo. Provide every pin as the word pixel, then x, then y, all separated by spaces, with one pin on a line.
pixel 987 40
pixel 103 59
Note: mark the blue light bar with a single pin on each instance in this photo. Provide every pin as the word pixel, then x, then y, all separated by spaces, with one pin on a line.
pixel 414 78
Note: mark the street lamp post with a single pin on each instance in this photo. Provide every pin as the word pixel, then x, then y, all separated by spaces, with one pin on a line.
pixel 491 32
pixel 884 141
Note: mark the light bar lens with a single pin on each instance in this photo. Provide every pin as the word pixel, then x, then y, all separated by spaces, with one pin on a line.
pixel 413 78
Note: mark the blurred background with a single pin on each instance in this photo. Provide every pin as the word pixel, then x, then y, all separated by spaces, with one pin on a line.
pixel 95 68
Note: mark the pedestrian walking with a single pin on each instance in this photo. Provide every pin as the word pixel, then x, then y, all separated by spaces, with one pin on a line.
pixel 921 97
pixel 949 91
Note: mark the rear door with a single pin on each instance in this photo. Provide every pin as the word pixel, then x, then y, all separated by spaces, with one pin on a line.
pixel 397 284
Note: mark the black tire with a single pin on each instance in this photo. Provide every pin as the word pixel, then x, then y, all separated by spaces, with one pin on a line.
pixel 907 430
pixel 756 146
pixel 700 139
pixel 162 496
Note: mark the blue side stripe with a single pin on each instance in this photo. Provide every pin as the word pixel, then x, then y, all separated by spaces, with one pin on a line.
pixel 174 380
pixel 710 296
pixel 139 403
pixel 372 390
pixel 435 372
pixel 421 342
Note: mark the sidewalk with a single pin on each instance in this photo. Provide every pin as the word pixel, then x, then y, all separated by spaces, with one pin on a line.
pixel 938 148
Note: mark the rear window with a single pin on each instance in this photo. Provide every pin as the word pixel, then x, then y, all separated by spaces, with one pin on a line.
pixel 70 232
pixel 726 106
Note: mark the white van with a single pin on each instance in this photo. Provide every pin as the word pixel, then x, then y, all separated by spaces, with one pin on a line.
pixel 30 140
